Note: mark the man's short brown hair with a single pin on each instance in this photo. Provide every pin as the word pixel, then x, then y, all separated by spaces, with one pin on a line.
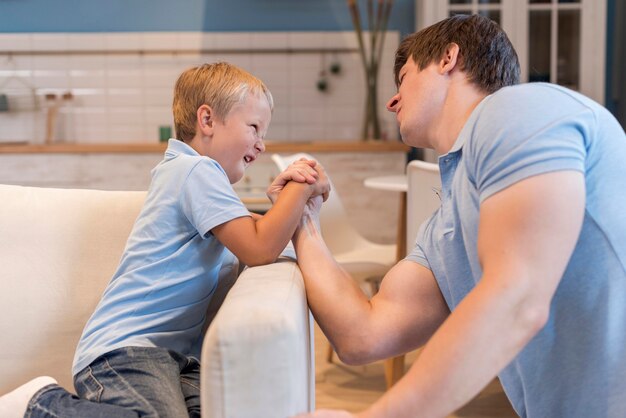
pixel 220 85
pixel 485 53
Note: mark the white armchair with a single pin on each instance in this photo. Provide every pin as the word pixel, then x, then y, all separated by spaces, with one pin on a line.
pixel 424 184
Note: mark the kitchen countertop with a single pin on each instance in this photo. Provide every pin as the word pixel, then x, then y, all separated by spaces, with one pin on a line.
pixel 271 146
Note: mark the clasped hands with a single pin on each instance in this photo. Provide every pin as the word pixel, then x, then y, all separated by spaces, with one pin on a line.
pixel 304 171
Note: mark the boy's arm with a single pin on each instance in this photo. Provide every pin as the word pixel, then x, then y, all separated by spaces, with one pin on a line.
pixel 257 241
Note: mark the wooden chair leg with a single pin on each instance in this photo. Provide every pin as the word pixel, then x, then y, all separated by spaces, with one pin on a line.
pixel 394 369
pixel 329 353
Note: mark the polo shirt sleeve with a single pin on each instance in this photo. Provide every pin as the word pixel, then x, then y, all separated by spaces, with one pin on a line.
pixel 207 198
pixel 417 254
pixel 517 135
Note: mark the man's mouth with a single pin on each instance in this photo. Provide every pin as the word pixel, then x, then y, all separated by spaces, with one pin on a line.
pixel 249 159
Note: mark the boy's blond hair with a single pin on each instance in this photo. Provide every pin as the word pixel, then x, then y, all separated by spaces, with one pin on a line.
pixel 220 85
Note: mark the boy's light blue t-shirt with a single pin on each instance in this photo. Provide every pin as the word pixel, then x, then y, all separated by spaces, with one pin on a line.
pixel 169 270
pixel 576 365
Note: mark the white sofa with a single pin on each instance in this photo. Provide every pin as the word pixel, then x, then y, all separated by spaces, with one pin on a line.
pixel 60 247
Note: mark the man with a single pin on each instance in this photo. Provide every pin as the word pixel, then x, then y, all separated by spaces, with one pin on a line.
pixel 521 271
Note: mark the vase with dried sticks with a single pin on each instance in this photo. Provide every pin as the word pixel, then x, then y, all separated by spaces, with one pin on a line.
pixel 377 19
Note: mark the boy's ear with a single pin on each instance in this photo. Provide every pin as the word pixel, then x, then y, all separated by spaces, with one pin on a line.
pixel 205 119
pixel 450 58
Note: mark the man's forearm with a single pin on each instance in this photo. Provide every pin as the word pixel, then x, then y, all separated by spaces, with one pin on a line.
pixel 276 227
pixel 337 302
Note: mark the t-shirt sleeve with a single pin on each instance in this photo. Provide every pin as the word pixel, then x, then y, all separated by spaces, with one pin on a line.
pixel 207 198
pixel 515 138
pixel 417 254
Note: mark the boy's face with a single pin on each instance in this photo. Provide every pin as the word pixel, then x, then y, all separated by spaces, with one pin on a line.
pixel 238 140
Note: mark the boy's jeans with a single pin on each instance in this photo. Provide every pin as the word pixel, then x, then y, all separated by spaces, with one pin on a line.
pixel 127 382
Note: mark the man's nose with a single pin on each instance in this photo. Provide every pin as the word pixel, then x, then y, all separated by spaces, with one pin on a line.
pixel 392 103
pixel 260 146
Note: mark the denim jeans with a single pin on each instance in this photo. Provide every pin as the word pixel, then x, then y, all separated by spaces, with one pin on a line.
pixel 127 382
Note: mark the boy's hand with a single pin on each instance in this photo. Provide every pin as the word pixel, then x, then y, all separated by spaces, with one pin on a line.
pixel 301 171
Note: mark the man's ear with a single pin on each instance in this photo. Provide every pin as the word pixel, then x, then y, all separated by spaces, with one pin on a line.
pixel 450 58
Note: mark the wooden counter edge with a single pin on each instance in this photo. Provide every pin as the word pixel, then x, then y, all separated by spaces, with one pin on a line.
pixel 270 146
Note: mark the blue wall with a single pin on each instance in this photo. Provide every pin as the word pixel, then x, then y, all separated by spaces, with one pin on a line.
pixel 188 15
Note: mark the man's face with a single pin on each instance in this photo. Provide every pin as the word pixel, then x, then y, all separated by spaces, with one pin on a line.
pixel 417 103
pixel 238 140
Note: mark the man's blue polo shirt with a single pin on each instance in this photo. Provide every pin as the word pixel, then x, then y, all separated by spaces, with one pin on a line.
pixel 576 365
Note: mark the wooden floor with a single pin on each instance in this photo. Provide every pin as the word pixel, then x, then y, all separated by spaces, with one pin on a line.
pixel 354 388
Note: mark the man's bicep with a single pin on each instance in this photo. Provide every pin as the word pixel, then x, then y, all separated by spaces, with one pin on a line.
pixel 409 306
pixel 527 232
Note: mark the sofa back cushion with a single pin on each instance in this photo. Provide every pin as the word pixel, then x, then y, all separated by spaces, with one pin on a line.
pixel 58 250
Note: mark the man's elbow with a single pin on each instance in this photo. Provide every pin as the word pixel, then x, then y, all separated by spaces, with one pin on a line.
pixel 356 353
pixel 532 318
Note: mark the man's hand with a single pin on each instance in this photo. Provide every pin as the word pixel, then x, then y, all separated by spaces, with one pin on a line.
pixel 314 206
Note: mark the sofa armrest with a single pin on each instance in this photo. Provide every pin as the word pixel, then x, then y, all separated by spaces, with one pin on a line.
pixel 257 356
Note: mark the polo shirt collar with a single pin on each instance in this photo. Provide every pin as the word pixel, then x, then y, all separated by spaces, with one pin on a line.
pixel 176 147
pixel 465 132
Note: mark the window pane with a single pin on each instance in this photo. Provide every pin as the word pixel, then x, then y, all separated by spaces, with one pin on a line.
pixel 569 1
pixel 488 1
pixel 568 50
pixel 460 12
pixel 491 14
pixel 539 45
pixel 460 1
pixel 539 1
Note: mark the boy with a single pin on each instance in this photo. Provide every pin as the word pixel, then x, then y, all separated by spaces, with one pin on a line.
pixel 138 352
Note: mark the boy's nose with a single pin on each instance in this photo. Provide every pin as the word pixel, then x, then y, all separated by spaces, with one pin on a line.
pixel 392 103
pixel 260 146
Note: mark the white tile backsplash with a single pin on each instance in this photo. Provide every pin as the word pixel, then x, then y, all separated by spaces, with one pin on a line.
pixel 269 40
pixel 16 42
pixel 306 40
pixel 86 42
pixel 123 41
pixel 123 93
pixel 86 62
pixel 88 79
pixel 233 40
pixel 158 97
pixel 189 41
pixel 159 41
pixel 124 97
pixel 50 41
